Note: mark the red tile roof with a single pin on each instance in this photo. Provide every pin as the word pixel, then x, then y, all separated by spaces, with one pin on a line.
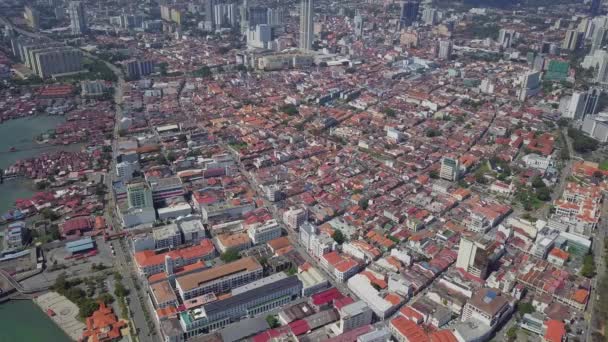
pixel 103 325
pixel 149 258
pixel 409 330
pixel 556 331
pixel 326 296
pixel 299 327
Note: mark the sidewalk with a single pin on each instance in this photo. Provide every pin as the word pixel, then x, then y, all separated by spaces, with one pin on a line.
pixel 66 313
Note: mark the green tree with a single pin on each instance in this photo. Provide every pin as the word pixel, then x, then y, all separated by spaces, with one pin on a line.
pixel 537 182
pixel 512 333
pixel 543 194
pixel 171 157
pixel 49 214
pixel 106 298
pixel 289 109
pixel 61 282
pixel 273 322
pixel 588 269
pixel 87 308
pixel 338 236
pixel 563 122
pixel 161 159
pixel 432 132
pixel 120 290
pixel 203 71
pixel 525 308
pixel 390 112
pixel 364 203
pixel 230 255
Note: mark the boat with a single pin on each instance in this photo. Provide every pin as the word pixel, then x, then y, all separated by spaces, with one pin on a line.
pixel 12 149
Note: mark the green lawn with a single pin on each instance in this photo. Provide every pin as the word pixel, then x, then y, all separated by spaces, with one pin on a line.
pixel 604 165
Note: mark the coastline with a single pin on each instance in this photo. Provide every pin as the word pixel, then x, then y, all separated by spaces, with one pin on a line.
pixel 66 313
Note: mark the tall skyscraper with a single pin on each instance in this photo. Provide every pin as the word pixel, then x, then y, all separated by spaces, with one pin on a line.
pixel 224 15
pixel 576 107
pixel 32 16
pixel 449 169
pixel 595 7
pixel 57 61
pixel 139 195
pixel 477 254
pixel 78 21
pixel 429 16
pixel 593 97
pixel 602 67
pixel 445 49
pixel 275 16
pixel 257 16
pixel 598 39
pixel 209 14
pixel 358 21
pixel 506 37
pixel 409 13
pixel 530 85
pixel 306 24
pixel 571 40
pixel 243 17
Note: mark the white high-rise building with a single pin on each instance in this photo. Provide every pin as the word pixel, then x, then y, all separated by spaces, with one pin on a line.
pixel 57 61
pixel 576 107
pixel 224 15
pixel 598 39
pixel 449 168
pixel 429 16
pixel 125 170
pixel 445 49
pixel 259 36
pixel 275 16
pixel 294 218
pixel 506 38
pixel 530 85
pixel 78 21
pixel 487 86
pixel 468 259
pixel 571 40
pixel 306 24
pixel 358 21
pixel 354 315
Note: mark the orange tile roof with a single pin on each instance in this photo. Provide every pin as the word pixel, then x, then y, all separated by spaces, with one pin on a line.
pixel 372 278
pixel 279 243
pixel 559 253
pixel 580 296
pixel 411 314
pixel 409 330
pixel 346 265
pixel 103 325
pixel 167 311
pixel 443 336
pixel 393 299
pixel 150 258
pixel 556 331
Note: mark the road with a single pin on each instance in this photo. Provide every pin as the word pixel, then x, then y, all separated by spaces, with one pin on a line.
pixel 123 261
pixel 600 266
pixel 18 286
